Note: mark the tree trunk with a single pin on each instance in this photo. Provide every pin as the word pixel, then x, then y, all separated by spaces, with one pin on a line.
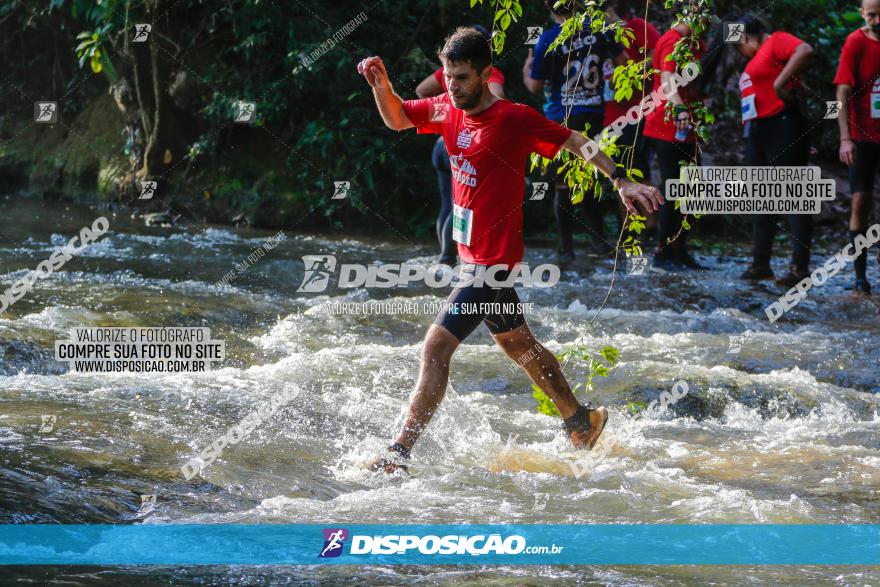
pixel 151 106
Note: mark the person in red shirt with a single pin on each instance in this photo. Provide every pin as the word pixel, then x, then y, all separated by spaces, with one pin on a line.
pixel 858 87
pixel 673 141
pixel 433 85
pixel 645 37
pixel 489 142
pixel 777 134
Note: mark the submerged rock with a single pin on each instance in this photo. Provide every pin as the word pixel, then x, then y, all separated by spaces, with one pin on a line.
pixel 158 219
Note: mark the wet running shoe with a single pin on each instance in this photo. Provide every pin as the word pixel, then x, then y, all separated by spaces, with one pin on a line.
pixel 564 257
pixel 756 272
pixel 586 426
pixel 688 261
pixel 861 288
pixel 793 277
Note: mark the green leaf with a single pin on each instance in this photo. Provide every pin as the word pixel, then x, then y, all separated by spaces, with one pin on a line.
pixel 610 354
pixel 545 404
pixel 635 407
pixel 498 38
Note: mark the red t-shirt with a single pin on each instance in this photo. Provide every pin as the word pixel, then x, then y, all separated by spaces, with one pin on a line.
pixel 655 123
pixel 760 73
pixel 488 153
pixel 495 76
pixel 638 48
pixel 860 68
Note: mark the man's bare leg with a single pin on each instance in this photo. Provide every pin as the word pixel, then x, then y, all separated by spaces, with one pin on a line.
pixel 543 369
pixel 437 350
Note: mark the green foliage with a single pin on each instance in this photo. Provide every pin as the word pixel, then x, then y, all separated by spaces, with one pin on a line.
pixel 545 404
pixel 319 122
pixel 91 48
pixel 506 12
pixel 599 364
pixel 630 77
pixel 634 407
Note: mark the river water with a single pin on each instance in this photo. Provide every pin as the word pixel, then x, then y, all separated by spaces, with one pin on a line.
pixel 785 431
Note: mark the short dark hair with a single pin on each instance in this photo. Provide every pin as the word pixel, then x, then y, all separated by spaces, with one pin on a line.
pixel 567 8
pixel 754 24
pixel 623 8
pixel 467 44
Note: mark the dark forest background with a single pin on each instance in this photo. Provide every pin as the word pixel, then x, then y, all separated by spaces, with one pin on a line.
pixel 164 109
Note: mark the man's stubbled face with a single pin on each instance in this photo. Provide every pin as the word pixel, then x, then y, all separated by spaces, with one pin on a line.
pixel 464 84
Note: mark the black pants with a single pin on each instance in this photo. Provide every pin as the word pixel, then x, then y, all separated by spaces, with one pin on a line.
pixel 669 154
pixel 864 167
pixel 448 247
pixel 861 180
pixel 565 211
pixel 640 155
pixel 780 140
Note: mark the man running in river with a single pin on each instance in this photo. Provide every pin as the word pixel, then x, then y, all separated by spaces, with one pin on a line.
pixel 489 141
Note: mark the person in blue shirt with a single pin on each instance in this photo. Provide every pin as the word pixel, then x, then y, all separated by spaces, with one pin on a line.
pixel 571 79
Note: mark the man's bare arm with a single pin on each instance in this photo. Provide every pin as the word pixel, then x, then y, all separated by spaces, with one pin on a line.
pixel 389 104
pixel 647 197
pixel 535 86
pixel 847 147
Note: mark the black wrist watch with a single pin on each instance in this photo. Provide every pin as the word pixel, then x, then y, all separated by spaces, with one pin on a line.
pixel 619 173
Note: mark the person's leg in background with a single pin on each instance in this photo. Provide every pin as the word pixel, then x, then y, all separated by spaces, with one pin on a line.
pixel 563 209
pixel 635 153
pixel 671 248
pixel 564 212
pixel 763 225
pixel 861 181
pixel 593 208
pixel 448 248
pixel 788 144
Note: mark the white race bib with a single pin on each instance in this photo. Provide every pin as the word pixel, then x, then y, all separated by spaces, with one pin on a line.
pixel 608 95
pixel 462 224
pixel 749 110
pixel 608 74
pixel 875 105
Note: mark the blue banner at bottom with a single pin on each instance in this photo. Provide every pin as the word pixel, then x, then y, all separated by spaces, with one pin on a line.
pixel 372 544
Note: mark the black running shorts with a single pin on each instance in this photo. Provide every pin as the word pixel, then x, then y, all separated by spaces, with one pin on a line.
pixel 864 167
pixel 474 301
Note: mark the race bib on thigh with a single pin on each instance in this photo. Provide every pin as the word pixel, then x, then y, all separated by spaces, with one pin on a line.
pixel 462 224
